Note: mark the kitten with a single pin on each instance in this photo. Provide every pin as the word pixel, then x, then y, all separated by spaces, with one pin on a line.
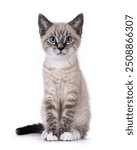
pixel 65 106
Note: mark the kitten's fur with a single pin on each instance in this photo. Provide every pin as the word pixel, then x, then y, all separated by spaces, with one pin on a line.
pixel 65 106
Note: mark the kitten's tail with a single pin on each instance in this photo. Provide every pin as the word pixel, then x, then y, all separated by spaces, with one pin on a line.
pixel 34 128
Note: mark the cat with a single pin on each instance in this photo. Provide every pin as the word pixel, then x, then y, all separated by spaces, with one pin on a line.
pixel 65 105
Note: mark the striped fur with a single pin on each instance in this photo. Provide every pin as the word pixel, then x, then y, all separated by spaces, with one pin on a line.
pixel 65 107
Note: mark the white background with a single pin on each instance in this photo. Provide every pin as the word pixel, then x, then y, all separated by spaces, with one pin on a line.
pixel 101 58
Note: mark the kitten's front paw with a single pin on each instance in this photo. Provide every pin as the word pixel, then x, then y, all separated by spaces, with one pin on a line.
pixel 70 136
pixel 49 136
pixel 66 136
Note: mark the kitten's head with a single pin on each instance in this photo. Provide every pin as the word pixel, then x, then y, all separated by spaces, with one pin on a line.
pixel 60 39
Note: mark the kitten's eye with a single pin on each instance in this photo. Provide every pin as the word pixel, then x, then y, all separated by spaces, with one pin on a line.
pixel 69 39
pixel 52 39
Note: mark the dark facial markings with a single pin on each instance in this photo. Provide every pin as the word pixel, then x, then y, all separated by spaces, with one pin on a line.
pixel 60 41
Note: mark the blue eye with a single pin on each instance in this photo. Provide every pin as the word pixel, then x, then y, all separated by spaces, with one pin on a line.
pixel 52 39
pixel 69 39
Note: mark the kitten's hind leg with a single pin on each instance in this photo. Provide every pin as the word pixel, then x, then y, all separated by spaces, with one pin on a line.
pixel 82 129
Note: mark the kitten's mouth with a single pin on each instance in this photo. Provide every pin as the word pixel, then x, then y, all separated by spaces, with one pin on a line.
pixel 60 53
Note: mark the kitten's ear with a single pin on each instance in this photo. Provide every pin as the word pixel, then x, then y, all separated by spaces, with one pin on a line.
pixel 44 24
pixel 77 23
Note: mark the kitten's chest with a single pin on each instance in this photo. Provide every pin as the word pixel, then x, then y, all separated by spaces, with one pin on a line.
pixel 57 77
pixel 60 82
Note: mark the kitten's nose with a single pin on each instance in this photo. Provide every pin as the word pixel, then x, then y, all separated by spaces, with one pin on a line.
pixel 60 46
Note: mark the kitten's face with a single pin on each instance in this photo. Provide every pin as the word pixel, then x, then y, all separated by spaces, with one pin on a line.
pixel 60 39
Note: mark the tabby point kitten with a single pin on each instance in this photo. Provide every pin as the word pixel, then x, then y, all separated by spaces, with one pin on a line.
pixel 65 105
pixel 65 108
